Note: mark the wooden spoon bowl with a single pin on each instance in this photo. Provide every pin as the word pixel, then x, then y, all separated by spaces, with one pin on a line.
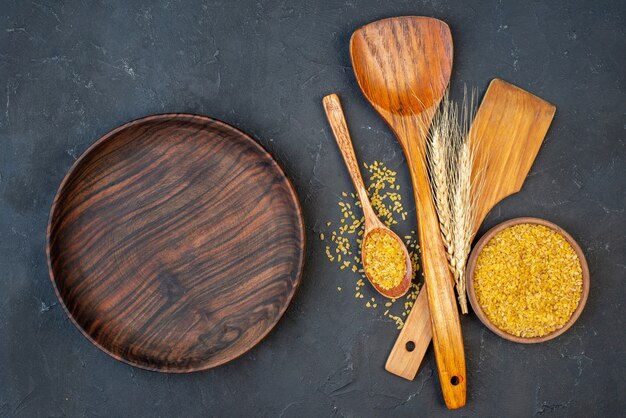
pixel 403 287
pixel 406 77
pixel 471 291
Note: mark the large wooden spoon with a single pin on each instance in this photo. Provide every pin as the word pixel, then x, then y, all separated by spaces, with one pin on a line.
pixel 337 121
pixel 403 67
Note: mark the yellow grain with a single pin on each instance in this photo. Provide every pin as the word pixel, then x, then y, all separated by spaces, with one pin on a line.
pixel 384 193
pixel 385 262
pixel 528 280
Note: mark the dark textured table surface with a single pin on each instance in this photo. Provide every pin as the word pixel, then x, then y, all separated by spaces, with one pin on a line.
pixel 72 70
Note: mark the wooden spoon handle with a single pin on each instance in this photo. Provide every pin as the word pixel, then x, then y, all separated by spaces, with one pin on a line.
pixel 337 121
pixel 444 314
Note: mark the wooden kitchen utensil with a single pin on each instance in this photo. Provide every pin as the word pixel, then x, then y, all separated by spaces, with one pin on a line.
pixel 508 131
pixel 175 243
pixel 403 67
pixel 337 122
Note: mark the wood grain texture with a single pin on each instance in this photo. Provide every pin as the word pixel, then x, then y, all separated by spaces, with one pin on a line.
pixel 175 243
pixel 403 67
pixel 507 132
pixel 471 265
pixel 337 121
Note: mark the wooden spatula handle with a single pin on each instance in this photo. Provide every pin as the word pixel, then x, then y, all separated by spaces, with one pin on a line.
pixel 410 347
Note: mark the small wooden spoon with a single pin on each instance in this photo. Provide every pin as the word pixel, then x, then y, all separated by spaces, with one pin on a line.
pixel 403 67
pixel 337 121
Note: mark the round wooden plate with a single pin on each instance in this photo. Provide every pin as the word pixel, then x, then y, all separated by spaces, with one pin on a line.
pixel 471 292
pixel 175 243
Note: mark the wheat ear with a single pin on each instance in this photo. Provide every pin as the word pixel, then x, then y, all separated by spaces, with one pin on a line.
pixel 464 196
pixel 438 160
pixel 462 219
pixel 450 163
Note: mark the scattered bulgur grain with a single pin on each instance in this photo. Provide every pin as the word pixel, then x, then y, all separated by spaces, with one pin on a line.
pixel 386 200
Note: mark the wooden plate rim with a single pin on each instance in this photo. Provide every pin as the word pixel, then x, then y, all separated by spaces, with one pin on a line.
pixel 471 264
pixel 106 137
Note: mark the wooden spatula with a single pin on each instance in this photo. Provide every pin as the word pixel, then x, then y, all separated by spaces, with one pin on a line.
pixel 403 67
pixel 509 129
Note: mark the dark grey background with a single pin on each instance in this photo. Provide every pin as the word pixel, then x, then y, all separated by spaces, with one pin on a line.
pixel 72 70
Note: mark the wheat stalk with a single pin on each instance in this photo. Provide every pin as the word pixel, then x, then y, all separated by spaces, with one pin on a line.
pixel 450 162
pixel 462 219
pixel 438 158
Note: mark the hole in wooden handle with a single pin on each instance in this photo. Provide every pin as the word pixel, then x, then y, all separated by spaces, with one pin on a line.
pixel 410 346
pixel 455 380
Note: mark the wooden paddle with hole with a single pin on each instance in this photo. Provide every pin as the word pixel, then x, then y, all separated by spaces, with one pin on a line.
pixel 509 129
pixel 403 67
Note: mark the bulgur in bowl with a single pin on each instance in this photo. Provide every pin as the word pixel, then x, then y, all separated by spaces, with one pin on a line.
pixel 527 280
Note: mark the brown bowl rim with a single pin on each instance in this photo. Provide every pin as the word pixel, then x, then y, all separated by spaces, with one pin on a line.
pixel 471 264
